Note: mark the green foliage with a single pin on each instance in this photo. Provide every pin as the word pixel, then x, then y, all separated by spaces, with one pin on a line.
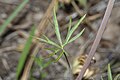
pixel 57 28
pixel 110 77
pixel 25 52
pixel 59 48
pixel 12 16
pixel 109 73
pixel 70 31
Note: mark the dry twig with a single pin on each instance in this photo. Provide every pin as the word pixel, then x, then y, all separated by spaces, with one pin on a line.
pixel 97 39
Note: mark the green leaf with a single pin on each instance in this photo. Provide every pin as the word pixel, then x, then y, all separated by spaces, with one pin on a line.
pixel 69 27
pixel 59 56
pixel 57 28
pixel 73 29
pixel 70 24
pixel 51 42
pixel 77 36
pixel 25 53
pixel 109 73
pixel 48 41
pixel 12 16
pixel 51 49
pixel 53 53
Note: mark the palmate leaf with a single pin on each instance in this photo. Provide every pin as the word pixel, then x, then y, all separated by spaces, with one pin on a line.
pixel 73 29
pixel 109 73
pixel 57 28
pixel 77 36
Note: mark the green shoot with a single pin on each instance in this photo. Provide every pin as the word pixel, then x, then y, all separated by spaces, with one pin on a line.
pixel 12 16
pixel 109 73
pixel 25 53
pixel 57 28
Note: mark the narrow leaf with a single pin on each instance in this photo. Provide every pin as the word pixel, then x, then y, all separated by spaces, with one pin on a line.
pixel 12 16
pixel 77 36
pixel 53 53
pixel 69 27
pixel 59 56
pixel 48 41
pixel 73 29
pixel 25 53
pixel 109 73
pixel 57 28
pixel 51 49
pixel 70 24
pixel 51 42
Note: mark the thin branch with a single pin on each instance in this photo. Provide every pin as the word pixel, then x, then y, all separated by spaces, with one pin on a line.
pixel 97 39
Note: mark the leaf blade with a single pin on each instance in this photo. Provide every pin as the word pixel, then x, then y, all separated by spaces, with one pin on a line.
pixel 109 73
pixel 59 57
pixel 57 28
pixel 77 36
pixel 73 29
pixel 12 16
pixel 25 53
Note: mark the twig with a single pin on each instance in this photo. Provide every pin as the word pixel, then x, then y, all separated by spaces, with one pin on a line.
pixel 97 39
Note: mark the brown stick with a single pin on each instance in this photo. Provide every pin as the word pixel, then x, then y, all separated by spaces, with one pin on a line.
pixel 97 39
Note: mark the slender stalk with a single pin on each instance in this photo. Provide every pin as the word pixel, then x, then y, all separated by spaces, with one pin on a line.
pixel 97 39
